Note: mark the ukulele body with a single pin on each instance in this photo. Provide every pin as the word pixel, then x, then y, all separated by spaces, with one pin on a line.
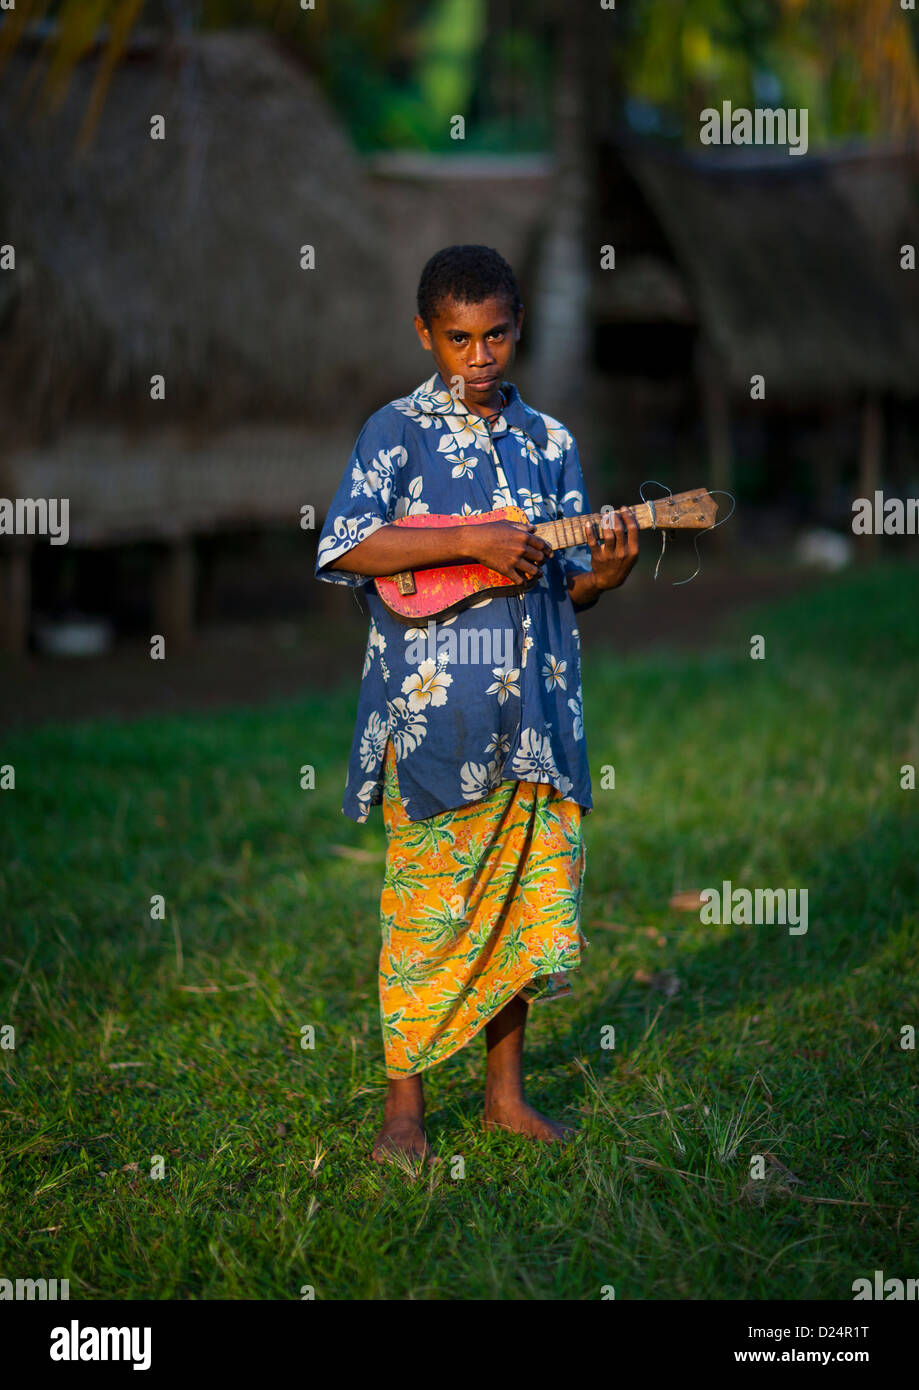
pixel 417 596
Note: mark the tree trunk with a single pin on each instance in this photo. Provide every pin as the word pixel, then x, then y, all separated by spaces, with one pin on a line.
pixel 560 341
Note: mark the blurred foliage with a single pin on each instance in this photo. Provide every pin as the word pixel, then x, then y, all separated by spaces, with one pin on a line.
pixel 398 70
pixel 405 95
pixel 851 63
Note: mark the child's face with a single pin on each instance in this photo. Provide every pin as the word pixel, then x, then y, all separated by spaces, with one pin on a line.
pixel 476 342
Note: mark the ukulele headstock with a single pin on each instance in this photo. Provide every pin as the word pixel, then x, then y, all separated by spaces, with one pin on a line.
pixel 690 511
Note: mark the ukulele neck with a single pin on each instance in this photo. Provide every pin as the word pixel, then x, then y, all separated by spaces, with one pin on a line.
pixel 566 531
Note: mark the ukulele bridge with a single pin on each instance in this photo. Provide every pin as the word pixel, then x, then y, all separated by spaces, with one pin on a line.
pixel 405 582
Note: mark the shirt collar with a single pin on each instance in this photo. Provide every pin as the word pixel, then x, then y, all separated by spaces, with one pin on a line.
pixel 433 397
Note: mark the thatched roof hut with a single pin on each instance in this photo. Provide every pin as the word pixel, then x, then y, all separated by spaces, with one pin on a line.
pixel 736 264
pixel 782 277
pixel 181 256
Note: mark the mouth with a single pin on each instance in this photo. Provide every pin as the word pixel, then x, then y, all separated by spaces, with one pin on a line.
pixel 482 383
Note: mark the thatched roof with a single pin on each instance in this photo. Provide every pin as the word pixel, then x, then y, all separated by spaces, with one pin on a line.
pixel 248 475
pixel 881 186
pixel 182 256
pixel 783 276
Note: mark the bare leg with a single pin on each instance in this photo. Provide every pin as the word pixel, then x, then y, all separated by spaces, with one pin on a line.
pixel 505 1104
pixel 403 1122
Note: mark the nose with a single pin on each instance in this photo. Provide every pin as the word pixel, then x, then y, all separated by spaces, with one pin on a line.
pixel 481 356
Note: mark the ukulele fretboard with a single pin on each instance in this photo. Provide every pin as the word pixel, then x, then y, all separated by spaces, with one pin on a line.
pixel 566 531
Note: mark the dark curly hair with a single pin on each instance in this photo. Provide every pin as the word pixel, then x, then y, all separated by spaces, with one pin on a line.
pixel 467 274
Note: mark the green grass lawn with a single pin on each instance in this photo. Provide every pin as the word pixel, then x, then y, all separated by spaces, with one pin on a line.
pixel 182 1037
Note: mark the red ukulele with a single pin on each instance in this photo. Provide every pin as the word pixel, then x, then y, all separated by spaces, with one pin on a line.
pixel 417 595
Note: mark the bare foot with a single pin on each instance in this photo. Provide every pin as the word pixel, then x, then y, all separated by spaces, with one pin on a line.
pixel 402 1135
pixel 521 1118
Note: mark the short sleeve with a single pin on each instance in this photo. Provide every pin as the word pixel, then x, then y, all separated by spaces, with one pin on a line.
pixel 571 500
pixel 363 503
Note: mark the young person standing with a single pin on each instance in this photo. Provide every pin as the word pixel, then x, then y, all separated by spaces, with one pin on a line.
pixel 481 766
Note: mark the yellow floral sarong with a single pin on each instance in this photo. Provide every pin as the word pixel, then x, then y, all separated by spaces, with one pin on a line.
pixel 479 904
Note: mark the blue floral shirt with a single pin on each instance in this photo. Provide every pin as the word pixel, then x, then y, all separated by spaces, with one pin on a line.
pixel 494 693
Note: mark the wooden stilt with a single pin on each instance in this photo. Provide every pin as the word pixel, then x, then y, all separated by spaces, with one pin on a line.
pixel 869 463
pixel 15 594
pixel 174 592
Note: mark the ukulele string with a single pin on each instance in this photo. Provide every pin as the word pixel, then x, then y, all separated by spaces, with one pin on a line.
pixel 649 501
pixel 661 556
pixel 697 534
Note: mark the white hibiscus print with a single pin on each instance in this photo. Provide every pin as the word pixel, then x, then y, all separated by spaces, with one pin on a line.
pixel 412 505
pixel 412 634
pixel 577 711
pixel 346 533
pixel 373 743
pixel 534 761
pixel 529 450
pixel 505 683
pixel 406 727
pixel 554 672
pixel 474 781
pixel 532 502
pixel 375 642
pixel 477 779
pixel 463 465
pixel 576 499
pixel 364 799
pixel 376 477
pixel 427 687
pixel 460 435
pixel 420 417
pixel 560 440
pixel 428 400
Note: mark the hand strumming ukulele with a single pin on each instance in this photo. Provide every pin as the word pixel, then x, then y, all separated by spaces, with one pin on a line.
pixel 416 595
